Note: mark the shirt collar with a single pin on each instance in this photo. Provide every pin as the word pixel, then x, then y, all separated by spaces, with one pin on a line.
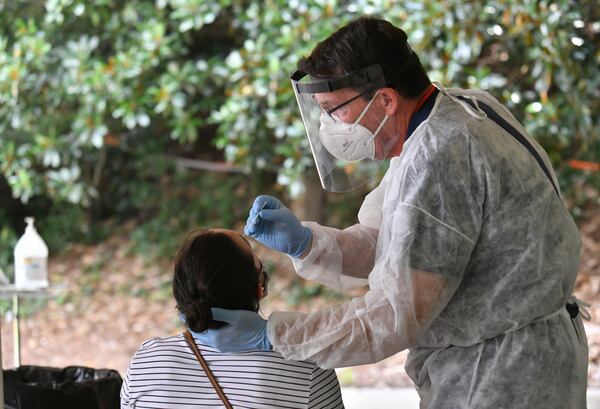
pixel 422 113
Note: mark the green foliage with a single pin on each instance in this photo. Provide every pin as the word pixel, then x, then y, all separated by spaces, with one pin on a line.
pixel 192 201
pixel 300 293
pixel 76 76
pixel 540 58
pixel 8 240
pixel 98 96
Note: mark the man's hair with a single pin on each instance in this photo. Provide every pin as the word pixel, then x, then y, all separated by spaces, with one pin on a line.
pixel 212 270
pixel 368 41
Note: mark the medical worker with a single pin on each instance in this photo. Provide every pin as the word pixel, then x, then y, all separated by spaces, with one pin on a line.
pixel 466 245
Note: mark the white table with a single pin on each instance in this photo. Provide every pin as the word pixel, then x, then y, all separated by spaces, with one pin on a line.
pixel 8 292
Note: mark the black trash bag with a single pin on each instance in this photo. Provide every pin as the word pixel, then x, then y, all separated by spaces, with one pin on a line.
pixel 74 387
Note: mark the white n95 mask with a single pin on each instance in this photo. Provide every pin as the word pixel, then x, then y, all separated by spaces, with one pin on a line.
pixel 349 142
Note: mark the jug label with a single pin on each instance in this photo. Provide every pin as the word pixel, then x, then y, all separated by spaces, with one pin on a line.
pixel 36 268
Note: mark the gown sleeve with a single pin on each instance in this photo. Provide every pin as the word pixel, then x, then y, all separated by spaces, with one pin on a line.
pixel 343 259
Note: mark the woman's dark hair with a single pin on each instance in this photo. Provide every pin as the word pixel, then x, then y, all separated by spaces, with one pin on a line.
pixel 364 42
pixel 212 270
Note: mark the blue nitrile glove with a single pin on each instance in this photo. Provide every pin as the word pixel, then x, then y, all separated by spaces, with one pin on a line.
pixel 275 226
pixel 245 331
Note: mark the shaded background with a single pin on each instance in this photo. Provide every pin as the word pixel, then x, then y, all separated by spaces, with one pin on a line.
pixel 125 124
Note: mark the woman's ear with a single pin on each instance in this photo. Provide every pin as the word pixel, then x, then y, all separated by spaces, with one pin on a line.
pixel 260 291
pixel 390 100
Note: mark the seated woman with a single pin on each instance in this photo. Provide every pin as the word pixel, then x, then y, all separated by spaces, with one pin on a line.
pixel 217 268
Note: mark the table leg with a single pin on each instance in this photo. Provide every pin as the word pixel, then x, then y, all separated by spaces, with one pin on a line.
pixel 16 332
pixel 1 369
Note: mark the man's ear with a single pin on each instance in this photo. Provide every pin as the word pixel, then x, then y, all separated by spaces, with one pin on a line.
pixel 390 100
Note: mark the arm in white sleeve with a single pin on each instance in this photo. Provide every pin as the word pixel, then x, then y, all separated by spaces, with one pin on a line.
pixel 339 259
pixel 414 278
pixel 344 258
pixel 365 330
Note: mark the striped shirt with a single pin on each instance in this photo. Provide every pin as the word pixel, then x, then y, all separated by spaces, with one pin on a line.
pixel 164 373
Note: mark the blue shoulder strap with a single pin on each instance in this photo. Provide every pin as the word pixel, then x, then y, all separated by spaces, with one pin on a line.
pixel 502 123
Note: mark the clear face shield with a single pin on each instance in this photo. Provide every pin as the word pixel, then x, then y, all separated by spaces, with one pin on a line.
pixel 343 148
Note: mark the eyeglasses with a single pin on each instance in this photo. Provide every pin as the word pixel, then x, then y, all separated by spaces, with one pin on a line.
pixel 342 108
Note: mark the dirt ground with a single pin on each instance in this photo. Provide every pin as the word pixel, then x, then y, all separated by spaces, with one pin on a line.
pixel 113 301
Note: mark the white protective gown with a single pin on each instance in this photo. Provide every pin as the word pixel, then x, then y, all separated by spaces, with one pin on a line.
pixel 470 258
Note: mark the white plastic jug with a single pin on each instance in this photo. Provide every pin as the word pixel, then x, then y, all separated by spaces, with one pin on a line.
pixel 31 259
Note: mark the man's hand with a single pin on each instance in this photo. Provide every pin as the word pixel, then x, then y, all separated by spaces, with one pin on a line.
pixel 245 331
pixel 275 226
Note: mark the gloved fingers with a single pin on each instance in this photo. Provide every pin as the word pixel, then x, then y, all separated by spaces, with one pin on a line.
pixel 253 230
pixel 224 315
pixel 251 224
pixel 206 337
pixel 254 225
pixel 234 317
pixel 267 202
pixel 276 215
pixel 258 203
pixel 219 339
pixel 247 330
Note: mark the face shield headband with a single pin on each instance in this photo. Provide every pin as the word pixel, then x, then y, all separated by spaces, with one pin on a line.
pixel 359 80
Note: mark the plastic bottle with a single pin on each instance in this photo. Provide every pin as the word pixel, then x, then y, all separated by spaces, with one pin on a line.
pixel 31 259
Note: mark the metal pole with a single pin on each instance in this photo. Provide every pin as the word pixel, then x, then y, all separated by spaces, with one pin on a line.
pixel 1 369
pixel 16 332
